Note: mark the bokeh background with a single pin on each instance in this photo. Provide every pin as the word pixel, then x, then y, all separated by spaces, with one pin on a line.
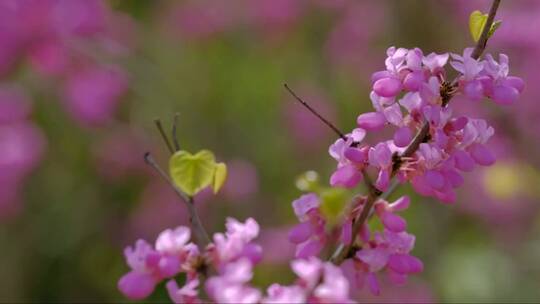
pixel 82 80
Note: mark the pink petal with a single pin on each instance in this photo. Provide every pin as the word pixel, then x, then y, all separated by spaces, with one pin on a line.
pixel 136 285
pixel 371 121
pixel 383 180
pixel 402 137
pixel 300 233
pixel 435 179
pixel 482 155
pixel 404 264
pixel 373 284
pixel 355 155
pixel 505 95
pixel 463 161
pixel 347 176
pixel 309 249
pixel 169 266
pixel 474 90
pixel 413 81
pixel 393 222
pixel 514 82
pixel 387 87
pixel 400 204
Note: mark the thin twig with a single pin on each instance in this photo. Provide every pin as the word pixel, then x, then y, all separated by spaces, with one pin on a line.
pixel 159 126
pixel 200 233
pixel 324 120
pixel 174 137
pixel 342 252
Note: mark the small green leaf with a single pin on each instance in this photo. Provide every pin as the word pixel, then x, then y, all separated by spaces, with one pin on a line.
pixel 192 173
pixel 220 175
pixel 477 21
pixel 333 203
pixel 494 27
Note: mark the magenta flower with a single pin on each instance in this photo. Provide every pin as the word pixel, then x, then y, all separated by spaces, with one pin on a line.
pixel 231 285
pixel 469 67
pixel 187 294
pixel 346 176
pixel 372 121
pixel 487 78
pixel 284 294
pixel 304 204
pixel 380 157
pixel 310 235
pixel 93 94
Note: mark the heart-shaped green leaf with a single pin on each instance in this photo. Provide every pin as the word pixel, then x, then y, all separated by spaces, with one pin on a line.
pixel 477 21
pixel 192 173
pixel 220 175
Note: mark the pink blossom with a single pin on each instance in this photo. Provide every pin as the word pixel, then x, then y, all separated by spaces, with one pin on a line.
pixel 173 241
pixel 284 294
pixel 187 294
pixel 304 204
pixel 347 176
pixel 92 95
pixel 372 121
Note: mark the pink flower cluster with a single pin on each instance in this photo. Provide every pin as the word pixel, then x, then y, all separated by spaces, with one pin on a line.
pixel 410 95
pixel 62 41
pixel 54 37
pixel 21 145
pixel 310 235
pixel 387 250
pixel 487 78
pixel 229 260
pixel 410 92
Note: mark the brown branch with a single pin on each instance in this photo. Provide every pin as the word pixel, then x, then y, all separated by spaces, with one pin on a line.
pixel 343 252
pixel 159 126
pixel 174 136
pixel 200 233
pixel 324 120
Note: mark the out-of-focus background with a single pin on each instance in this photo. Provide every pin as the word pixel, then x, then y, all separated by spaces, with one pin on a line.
pixel 82 80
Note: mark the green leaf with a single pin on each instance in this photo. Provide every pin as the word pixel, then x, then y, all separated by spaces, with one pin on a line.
pixel 220 175
pixel 192 173
pixel 333 201
pixel 477 21
pixel 494 27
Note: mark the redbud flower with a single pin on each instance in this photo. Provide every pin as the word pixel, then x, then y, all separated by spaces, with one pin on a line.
pixel 285 294
pixel 372 121
pixel 187 294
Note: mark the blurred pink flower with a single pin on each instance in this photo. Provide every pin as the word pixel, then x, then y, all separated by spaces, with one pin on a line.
pixel 348 42
pixel 22 145
pixel 62 38
pixel 50 57
pixel 199 19
pixel 275 16
pixel 92 94
pixel 79 17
